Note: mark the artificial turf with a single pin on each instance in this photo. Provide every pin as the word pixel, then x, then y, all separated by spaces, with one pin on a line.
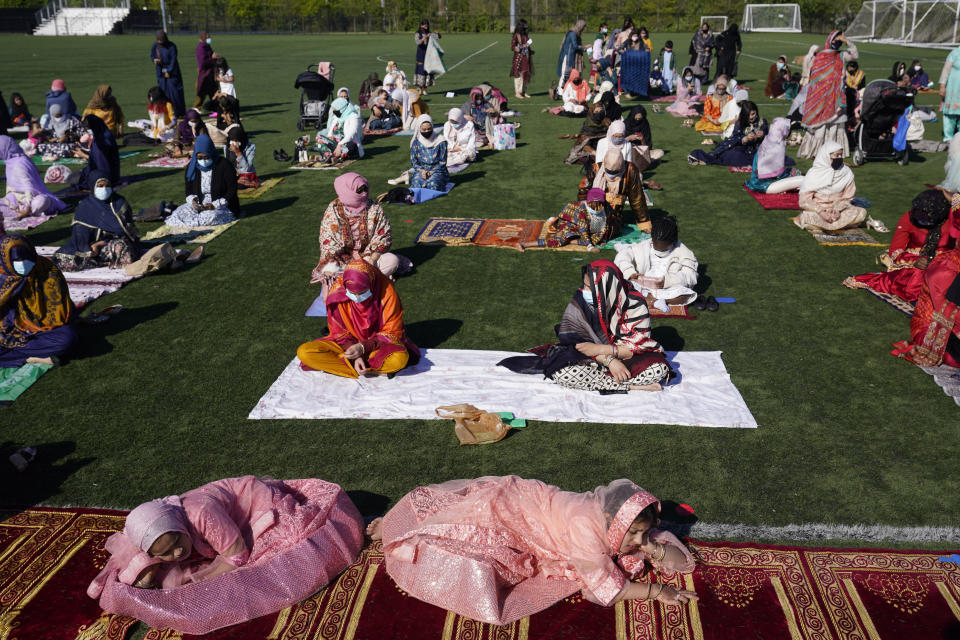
pixel 156 400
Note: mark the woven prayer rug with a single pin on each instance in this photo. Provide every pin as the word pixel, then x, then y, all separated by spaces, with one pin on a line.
pixel 743 169
pixel 381 133
pixel 500 232
pixel 788 201
pixel 896 302
pixel 317 165
pixel 676 311
pixel 845 238
pixel 191 235
pixel 449 231
pixel 48 556
pixel 253 194
pixel 166 163
pixel 90 284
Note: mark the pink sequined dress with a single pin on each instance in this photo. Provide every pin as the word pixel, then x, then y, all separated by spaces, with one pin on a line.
pixel 498 549
pixel 298 535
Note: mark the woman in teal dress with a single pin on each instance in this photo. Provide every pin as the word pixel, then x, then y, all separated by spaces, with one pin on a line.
pixel 771 164
pixel 950 92
pixel 428 156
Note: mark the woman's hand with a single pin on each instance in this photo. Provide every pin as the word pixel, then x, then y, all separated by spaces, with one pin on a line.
pixel 943 91
pixel 359 366
pixel 673 596
pixel 97 246
pixel 146 577
pixel 590 349
pixel 619 371
pixel 354 351
pixel 922 262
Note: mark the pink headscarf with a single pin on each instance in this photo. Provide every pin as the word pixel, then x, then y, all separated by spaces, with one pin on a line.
pixel 771 155
pixel 346 187
pixel 596 195
pixel 628 511
pixel 58 85
pixel 152 519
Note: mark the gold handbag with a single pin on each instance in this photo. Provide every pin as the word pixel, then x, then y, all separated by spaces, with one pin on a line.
pixel 474 426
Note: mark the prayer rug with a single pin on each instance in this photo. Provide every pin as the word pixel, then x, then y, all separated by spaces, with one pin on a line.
pixel 676 311
pixel 898 303
pixel 381 133
pixel 90 284
pixel 22 224
pixel 702 395
pixel 14 381
pixel 845 238
pixel 500 232
pixel 745 169
pixel 787 201
pixel 166 163
pixel 40 162
pixel 253 194
pixel 186 235
pixel 632 234
pixel 449 231
pixel 48 556
pixel 316 165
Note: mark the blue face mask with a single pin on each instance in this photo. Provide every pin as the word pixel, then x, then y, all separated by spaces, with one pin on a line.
pixel 23 267
pixel 205 163
pixel 102 193
pixel 587 295
pixel 359 297
pixel 209 41
pixel 779 65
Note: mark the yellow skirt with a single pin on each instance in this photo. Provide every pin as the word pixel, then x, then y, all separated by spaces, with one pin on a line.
pixel 325 355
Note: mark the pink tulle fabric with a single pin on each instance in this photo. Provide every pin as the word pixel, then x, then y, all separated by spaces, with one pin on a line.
pixel 298 535
pixel 497 549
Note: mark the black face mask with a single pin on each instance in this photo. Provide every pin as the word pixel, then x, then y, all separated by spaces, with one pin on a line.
pixel 835 45
pixel 336 113
pixel 837 164
pixel 427 133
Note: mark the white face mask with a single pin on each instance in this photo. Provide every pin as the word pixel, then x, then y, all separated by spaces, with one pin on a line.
pixel 611 174
pixel 102 193
pixel 56 118
pixel 209 40
pixel 23 267
pixel 917 68
pixel 359 297
pixel 205 163
pixel 587 295
pixel 688 78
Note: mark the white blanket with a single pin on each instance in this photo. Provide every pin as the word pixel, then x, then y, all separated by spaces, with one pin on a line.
pixel 702 396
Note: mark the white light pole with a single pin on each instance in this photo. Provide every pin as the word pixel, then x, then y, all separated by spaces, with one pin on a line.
pixel 163 13
pixel 513 14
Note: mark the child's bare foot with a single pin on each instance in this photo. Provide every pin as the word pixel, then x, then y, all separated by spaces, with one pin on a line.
pixel 374 529
pixel 519 247
pixel 656 386
pixel 47 360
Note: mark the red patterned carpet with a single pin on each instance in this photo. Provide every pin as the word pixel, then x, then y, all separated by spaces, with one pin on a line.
pixel 48 556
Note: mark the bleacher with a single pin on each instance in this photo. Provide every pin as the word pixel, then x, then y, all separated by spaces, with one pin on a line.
pixel 64 18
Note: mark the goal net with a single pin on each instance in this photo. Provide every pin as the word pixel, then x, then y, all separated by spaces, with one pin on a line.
pixel 909 22
pixel 771 17
pixel 717 23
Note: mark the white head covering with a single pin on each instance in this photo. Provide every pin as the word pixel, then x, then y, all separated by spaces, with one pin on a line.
pixel 740 96
pixel 952 168
pixel 822 178
pixel 430 142
pixel 605 86
pixel 455 115
pixel 337 94
pixel 389 79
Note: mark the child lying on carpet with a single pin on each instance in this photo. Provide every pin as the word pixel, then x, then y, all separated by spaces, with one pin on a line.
pixel 498 549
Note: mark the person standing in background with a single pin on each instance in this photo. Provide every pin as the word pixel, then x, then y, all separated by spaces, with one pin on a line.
pixel 421 78
pixel 950 92
pixel 522 68
pixel 164 56
pixel 206 66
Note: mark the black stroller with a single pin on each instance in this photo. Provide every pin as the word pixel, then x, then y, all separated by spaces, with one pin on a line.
pixel 315 92
pixel 883 104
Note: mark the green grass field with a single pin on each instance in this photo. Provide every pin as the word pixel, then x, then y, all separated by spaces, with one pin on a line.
pixel 156 401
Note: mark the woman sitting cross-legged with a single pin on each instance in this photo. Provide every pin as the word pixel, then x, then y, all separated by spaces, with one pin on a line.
pixel 257 545
pixel 772 169
pixel 461 138
pixel 737 150
pixel 428 156
pixel 353 228
pixel 36 313
pixel 826 193
pixel 103 233
pixel 621 182
pixel 662 267
pixel 590 223
pixel 365 319
pixel 713 108
pixel 498 549
pixel 211 187
pixel 26 195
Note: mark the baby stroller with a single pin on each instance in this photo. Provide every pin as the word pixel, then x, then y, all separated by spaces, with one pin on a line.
pixel 883 104
pixel 316 88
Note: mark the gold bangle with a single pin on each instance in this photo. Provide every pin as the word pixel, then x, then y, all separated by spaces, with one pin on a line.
pixel 663 553
pixel 649 590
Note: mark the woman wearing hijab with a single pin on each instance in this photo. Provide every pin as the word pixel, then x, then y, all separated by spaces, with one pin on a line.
pixel 290 537
pixel 737 150
pixel 353 227
pixel 347 130
pixel 241 152
pixel 104 106
pixel 771 170
pixel 929 229
pixel 825 105
pixel 918 77
pixel 461 138
pixel 428 156
pixel 26 193
pixel 521 69
pixel 621 181
pixel 206 70
pixel 498 549
pixel 368 88
pixel 616 139
pixel 689 91
pixel 62 134
pixel 713 108
pixel 826 193
pixel 731 112
pixel 19 112
pixel 35 307
pixel 898 71
pixel 58 94
pixel 103 233
pixel 422 79
pixel 211 188
pixel 103 154
pixel 590 223
pixel 576 93
pixel 163 53
pixel 935 324
pixel 701 52
pixel 365 319
pixel 186 132
pixel 729 45
pixel 662 268
pixel 571 52
pixel 774 86
pixel 161 113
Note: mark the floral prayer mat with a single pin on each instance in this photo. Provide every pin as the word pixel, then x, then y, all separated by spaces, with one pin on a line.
pixel 845 238
pixel 48 556
pixel 676 311
pixel 166 163
pixel 499 232
pixel 381 133
pixel 253 194
pixel 449 231
pixel 896 302
pixel 743 169
pixel 788 201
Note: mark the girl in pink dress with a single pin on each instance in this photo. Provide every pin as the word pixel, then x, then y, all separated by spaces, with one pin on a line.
pixel 498 549
pixel 688 92
pixel 227 552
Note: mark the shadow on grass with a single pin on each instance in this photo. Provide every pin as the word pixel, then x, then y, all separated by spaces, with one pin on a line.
pixel 668 337
pixel 420 253
pixel 93 338
pixel 429 334
pixel 703 280
pixel 470 176
pixel 42 478
pixel 260 207
pixel 50 237
pixel 369 504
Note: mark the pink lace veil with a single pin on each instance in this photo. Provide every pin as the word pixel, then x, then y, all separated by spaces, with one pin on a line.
pixel 623 501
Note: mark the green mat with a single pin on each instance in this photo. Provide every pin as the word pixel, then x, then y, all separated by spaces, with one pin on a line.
pixel 38 160
pixel 13 382
pixel 633 234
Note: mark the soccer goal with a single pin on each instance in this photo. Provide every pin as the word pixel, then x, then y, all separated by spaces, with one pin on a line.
pixel 932 23
pixel 771 17
pixel 717 23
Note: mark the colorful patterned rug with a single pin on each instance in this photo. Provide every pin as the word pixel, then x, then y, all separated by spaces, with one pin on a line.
pixel 845 238
pixel 23 224
pixel 898 303
pixel 48 556
pixel 191 235
pixel 88 285
pixel 449 231
pixel 789 200
pixel 40 162
pixel 165 163
pixel 317 165
pixel 381 133
pixel 14 381
pixel 676 311
pixel 500 232
pixel 253 194
pixel 743 169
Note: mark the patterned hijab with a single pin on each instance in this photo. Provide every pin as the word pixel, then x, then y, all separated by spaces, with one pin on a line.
pixel 30 304
pixel 365 317
pixel 346 187
pixel 620 312
pixel 622 502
